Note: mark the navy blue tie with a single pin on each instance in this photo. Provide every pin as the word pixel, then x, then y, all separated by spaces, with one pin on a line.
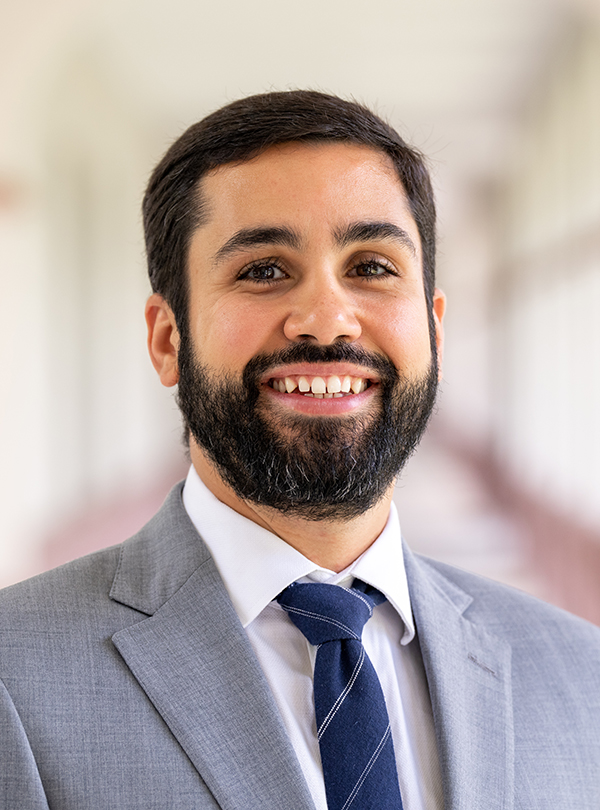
pixel 353 728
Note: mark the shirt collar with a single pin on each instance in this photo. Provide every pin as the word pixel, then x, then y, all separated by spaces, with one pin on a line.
pixel 256 565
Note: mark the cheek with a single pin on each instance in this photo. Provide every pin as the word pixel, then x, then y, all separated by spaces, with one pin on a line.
pixel 402 332
pixel 231 335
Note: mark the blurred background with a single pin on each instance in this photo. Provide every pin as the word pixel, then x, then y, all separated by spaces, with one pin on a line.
pixel 504 98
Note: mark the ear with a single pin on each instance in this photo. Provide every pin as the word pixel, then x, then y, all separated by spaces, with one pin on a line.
pixel 439 308
pixel 163 339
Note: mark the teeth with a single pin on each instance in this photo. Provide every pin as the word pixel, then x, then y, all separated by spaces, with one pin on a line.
pixel 321 387
pixel 334 385
pixel 318 385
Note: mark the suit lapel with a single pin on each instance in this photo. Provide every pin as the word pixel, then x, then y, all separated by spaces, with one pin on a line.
pixel 193 660
pixel 469 678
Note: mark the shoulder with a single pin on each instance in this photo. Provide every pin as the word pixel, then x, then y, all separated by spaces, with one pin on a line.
pixel 114 587
pixel 61 597
pixel 550 658
pixel 526 622
pixel 154 562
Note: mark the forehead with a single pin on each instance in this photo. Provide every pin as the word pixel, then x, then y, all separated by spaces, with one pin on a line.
pixel 324 183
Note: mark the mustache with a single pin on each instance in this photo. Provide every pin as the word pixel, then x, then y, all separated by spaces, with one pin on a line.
pixel 315 353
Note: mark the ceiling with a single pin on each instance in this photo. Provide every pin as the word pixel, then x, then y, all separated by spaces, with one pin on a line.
pixel 454 75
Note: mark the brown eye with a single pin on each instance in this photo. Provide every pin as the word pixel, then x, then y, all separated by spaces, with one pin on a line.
pixel 371 269
pixel 263 271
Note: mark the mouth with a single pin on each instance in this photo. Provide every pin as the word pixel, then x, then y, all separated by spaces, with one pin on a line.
pixel 320 387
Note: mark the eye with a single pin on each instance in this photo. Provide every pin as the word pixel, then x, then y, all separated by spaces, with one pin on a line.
pixel 265 271
pixel 372 268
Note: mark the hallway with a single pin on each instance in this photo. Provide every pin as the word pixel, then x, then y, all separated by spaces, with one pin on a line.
pixel 502 98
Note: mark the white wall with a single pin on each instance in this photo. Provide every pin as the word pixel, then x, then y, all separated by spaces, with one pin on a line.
pixel 90 95
pixel 82 403
pixel 548 332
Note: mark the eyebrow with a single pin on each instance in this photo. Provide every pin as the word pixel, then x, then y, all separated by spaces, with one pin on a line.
pixel 255 237
pixel 372 232
pixel 280 235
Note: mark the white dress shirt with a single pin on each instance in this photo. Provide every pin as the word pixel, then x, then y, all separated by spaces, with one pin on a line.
pixel 256 566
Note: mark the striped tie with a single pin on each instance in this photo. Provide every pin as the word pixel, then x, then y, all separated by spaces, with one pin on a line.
pixel 353 729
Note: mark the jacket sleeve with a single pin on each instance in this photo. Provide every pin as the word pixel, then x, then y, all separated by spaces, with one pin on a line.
pixel 20 782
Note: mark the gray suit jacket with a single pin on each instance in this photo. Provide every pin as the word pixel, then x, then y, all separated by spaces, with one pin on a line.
pixel 128 682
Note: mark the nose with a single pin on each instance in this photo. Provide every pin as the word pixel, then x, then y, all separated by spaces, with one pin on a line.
pixel 322 310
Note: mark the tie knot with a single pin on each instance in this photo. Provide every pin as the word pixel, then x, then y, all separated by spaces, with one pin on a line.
pixel 329 612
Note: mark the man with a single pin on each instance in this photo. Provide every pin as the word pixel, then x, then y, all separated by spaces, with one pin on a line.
pixel 291 252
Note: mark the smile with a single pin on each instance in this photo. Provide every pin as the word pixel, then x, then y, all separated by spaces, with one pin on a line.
pixel 330 387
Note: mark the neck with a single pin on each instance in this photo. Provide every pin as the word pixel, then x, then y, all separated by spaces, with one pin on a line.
pixel 331 544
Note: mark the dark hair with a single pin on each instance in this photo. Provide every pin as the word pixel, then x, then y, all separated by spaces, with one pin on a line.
pixel 241 130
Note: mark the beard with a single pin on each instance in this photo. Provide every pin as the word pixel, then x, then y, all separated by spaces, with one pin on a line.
pixel 311 467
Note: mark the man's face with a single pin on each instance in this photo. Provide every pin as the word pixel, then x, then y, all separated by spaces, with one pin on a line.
pixel 308 344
